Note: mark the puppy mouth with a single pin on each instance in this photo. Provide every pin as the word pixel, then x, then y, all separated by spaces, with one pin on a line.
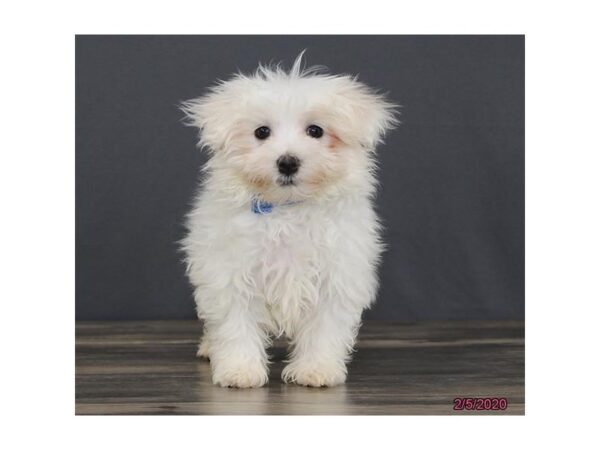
pixel 286 181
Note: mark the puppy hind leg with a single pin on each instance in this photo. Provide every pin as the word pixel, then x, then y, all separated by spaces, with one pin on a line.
pixel 204 346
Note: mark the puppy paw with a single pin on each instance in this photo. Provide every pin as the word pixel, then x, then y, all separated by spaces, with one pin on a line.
pixel 247 375
pixel 314 375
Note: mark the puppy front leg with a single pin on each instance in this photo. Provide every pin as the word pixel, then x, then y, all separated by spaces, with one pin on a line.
pixel 236 344
pixel 322 347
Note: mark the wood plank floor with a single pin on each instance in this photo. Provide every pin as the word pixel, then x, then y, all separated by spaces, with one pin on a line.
pixel 399 368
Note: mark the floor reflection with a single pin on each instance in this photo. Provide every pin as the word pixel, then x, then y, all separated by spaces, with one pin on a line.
pixel 305 400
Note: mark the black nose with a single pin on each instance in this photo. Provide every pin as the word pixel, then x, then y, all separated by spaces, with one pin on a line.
pixel 288 165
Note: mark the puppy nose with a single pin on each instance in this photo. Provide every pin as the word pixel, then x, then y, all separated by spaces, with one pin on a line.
pixel 288 165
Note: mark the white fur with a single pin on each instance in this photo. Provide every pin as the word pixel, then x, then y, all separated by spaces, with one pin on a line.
pixel 307 269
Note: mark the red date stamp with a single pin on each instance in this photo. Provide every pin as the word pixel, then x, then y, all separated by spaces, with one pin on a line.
pixel 480 404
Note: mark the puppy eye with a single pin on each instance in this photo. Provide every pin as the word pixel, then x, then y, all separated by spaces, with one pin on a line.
pixel 262 133
pixel 314 131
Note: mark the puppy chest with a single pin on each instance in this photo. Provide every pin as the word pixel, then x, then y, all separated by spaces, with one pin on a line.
pixel 289 272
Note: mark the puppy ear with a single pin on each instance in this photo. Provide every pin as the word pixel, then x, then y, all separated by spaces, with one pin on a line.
pixel 367 114
pixel 211 114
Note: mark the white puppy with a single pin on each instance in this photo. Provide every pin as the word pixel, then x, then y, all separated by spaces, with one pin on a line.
pixel 282 236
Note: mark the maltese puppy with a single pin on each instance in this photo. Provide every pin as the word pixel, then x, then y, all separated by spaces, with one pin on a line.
pixel 282 236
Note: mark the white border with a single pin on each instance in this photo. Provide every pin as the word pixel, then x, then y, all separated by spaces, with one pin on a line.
pixel 37 163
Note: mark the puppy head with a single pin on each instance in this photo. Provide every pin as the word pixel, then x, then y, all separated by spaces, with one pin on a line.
pixel 291 135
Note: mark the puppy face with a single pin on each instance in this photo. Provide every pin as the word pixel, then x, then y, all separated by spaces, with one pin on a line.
pixel 290 135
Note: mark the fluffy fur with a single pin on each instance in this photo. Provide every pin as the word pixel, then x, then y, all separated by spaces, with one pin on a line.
pixel 308 269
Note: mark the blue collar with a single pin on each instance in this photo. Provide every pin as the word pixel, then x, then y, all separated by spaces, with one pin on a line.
pixel 263 208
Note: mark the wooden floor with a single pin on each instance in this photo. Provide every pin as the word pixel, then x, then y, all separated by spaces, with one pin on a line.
pixel 399 368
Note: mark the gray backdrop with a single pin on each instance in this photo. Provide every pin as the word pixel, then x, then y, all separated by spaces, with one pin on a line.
pixel 452 175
